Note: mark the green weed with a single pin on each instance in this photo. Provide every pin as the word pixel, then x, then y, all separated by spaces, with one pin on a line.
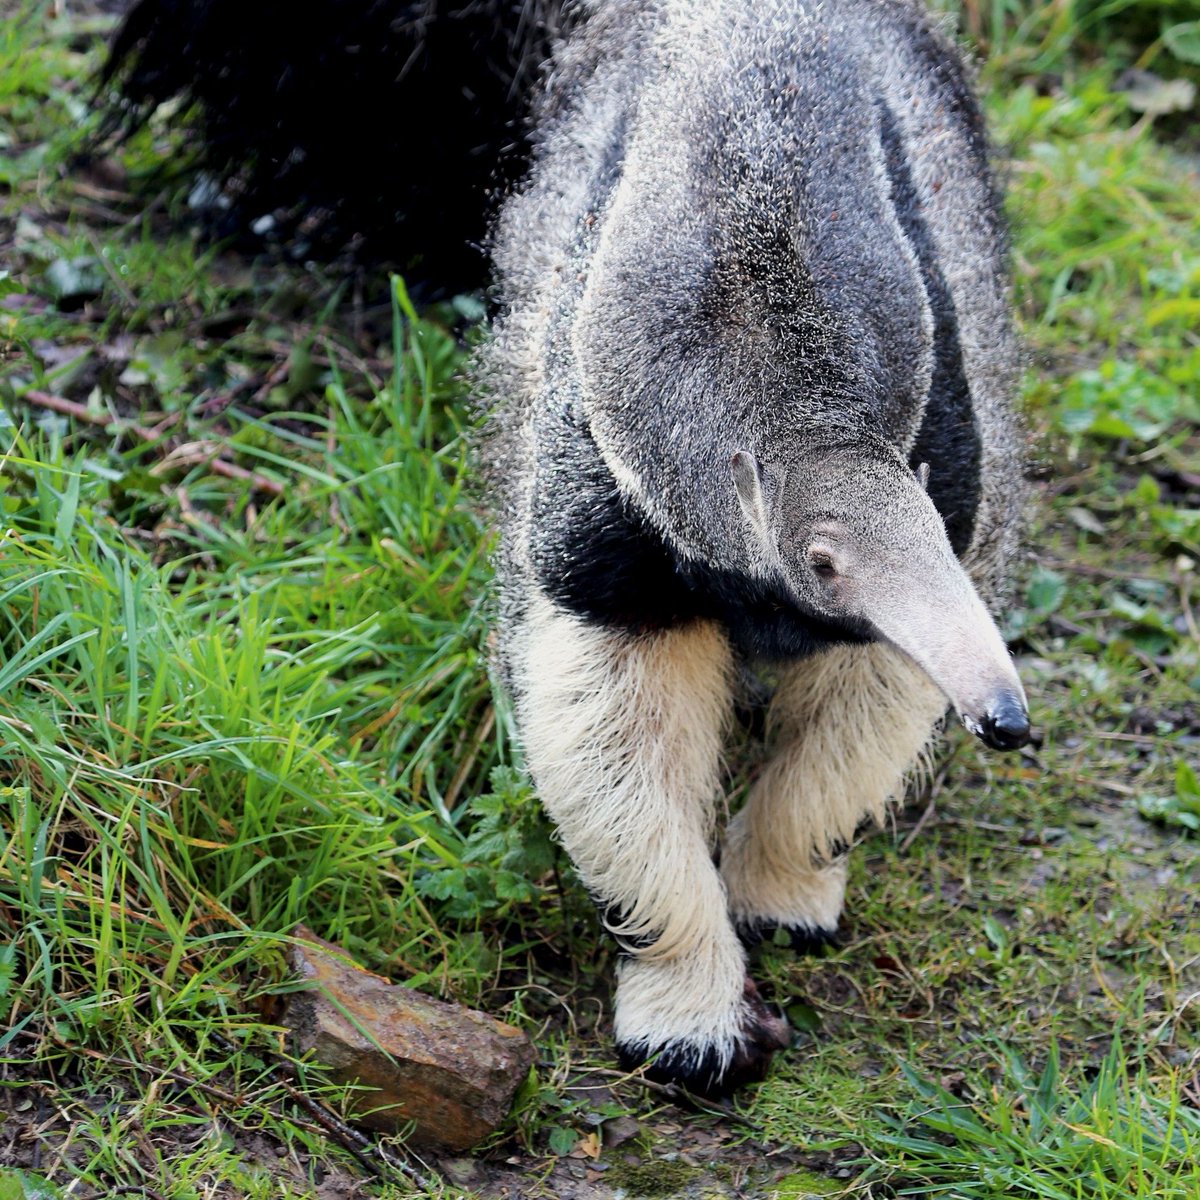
pixel 203 748
pixel 1121 1135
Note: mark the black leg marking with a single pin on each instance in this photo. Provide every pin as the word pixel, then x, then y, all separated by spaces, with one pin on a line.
pixel 699 1069
pixel 804 938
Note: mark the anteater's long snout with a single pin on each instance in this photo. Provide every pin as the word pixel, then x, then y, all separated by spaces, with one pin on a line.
pixel 1005 724
pixel 937 618
pixel 968 660
pixel 964 654
pixel 972 665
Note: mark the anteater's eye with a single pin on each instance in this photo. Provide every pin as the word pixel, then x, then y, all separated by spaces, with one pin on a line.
pixel 822 563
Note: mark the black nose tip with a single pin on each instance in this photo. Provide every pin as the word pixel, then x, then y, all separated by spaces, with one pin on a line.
pixel 1006 725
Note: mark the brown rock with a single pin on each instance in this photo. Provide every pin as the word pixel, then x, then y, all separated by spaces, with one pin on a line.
pixel 451 1070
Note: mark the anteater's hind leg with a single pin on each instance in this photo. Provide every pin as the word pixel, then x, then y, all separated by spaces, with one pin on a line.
pixel 623 736
pixel 845 726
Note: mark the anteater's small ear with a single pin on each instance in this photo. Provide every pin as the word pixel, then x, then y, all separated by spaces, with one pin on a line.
pixel 752 493
pixel 922 474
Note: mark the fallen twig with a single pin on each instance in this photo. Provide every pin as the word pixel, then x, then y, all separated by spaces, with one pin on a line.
pixel 364 1151
pixel 216 464
pixel 1075 568
pixel 922 821
pixel 180 1077
pixel 350 1139
pixel 71 408
pixel 674 1092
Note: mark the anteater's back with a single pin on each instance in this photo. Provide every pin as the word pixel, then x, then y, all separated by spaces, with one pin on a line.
pixel 760 217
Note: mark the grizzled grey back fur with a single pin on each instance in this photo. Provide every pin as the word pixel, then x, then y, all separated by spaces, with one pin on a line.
pixel 752 224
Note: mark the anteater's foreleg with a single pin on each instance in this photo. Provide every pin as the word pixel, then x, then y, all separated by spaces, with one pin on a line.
pixel 623 736
pixel 845 726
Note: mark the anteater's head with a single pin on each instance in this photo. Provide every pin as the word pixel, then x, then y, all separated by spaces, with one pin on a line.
pixel 851 529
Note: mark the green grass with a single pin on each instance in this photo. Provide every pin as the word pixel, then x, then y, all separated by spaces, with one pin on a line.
pixel 224 711
pixel 1119 1136
pixel 202 751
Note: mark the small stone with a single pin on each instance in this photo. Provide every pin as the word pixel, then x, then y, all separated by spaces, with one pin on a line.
pixel 462 1172
pixel 447 1071
pixel 1148 93
pixel 75 281
pixel 620 1129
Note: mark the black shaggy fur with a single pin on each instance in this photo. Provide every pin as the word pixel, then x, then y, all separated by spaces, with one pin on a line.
pixel 706 1074
pixel 603 560
pixel 385 125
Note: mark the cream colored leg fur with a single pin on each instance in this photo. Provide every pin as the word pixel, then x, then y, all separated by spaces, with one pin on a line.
pixel 846 725
pixel 623 737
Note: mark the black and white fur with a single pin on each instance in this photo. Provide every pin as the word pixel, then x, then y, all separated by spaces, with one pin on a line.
pixel 751 386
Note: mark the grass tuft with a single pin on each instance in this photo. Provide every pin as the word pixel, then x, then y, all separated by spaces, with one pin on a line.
pixel 1119 1136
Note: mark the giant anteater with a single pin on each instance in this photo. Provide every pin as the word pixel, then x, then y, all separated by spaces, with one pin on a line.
pixel 750 386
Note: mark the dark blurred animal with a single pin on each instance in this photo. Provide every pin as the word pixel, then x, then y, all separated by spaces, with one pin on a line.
pixel 751 386
pixel 386 125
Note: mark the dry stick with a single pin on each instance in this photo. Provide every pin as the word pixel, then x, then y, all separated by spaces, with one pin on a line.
pixel 170 1073
pixel 226 1097
pixel 1071 568
pixel 922 821
pixel 354 1142
pixel 932 789
pixel 351 1139
pixel 71 409
pixel 676 1093
pixel 216 464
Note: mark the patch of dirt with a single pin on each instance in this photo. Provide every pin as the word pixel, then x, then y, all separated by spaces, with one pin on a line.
pixel 670 1152
pixel 673 1153
pixel 43 1130
pixel 321 1183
